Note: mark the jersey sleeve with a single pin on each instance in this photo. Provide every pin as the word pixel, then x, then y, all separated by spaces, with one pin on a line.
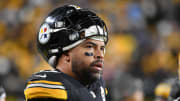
pixel 43 89
pixel 45 99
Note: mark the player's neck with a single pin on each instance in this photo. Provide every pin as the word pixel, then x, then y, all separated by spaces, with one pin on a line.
pixel 66 69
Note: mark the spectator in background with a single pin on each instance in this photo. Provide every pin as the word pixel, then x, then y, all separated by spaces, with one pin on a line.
pixel 127 88
pixel 162 92
pixel 2 94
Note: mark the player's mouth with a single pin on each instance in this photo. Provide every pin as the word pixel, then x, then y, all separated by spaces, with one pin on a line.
pixel 98 66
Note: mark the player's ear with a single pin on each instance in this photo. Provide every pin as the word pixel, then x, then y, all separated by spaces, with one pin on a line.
pixel 67 56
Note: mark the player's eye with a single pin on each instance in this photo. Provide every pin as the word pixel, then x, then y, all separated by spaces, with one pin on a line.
pixel 102 48
pixel 89 46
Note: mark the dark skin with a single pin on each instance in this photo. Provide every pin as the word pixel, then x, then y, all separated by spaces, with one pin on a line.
pixel 85 62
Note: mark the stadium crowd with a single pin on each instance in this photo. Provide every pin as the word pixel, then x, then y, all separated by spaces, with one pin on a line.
pixel 142 51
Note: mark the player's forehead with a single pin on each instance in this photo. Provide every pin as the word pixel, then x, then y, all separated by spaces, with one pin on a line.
pixel 93 42
pixel 87 42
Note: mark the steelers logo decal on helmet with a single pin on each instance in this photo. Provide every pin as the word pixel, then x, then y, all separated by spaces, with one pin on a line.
pixel 44 34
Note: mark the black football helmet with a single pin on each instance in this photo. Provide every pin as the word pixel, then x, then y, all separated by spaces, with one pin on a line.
pixel 65 28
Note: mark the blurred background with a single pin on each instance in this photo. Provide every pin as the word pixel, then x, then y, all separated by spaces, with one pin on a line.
pixel 141 55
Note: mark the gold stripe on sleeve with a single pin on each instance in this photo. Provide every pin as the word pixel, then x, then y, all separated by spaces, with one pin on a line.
pixel 39 92
pixel 45 81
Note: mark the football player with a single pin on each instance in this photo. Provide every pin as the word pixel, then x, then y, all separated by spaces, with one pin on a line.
pixel 72 40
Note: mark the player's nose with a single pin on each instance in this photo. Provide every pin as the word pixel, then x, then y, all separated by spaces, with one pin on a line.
pixel 99 54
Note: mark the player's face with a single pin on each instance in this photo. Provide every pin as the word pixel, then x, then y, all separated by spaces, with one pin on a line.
pixel 88 60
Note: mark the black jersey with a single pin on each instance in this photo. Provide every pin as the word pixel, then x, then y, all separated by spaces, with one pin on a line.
pixel 53 85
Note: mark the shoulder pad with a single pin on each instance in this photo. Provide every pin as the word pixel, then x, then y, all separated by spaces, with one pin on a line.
pixel 50 75
pixel 45 84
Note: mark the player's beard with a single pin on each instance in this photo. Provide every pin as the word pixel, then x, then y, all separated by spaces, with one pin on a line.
pixel 85 73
